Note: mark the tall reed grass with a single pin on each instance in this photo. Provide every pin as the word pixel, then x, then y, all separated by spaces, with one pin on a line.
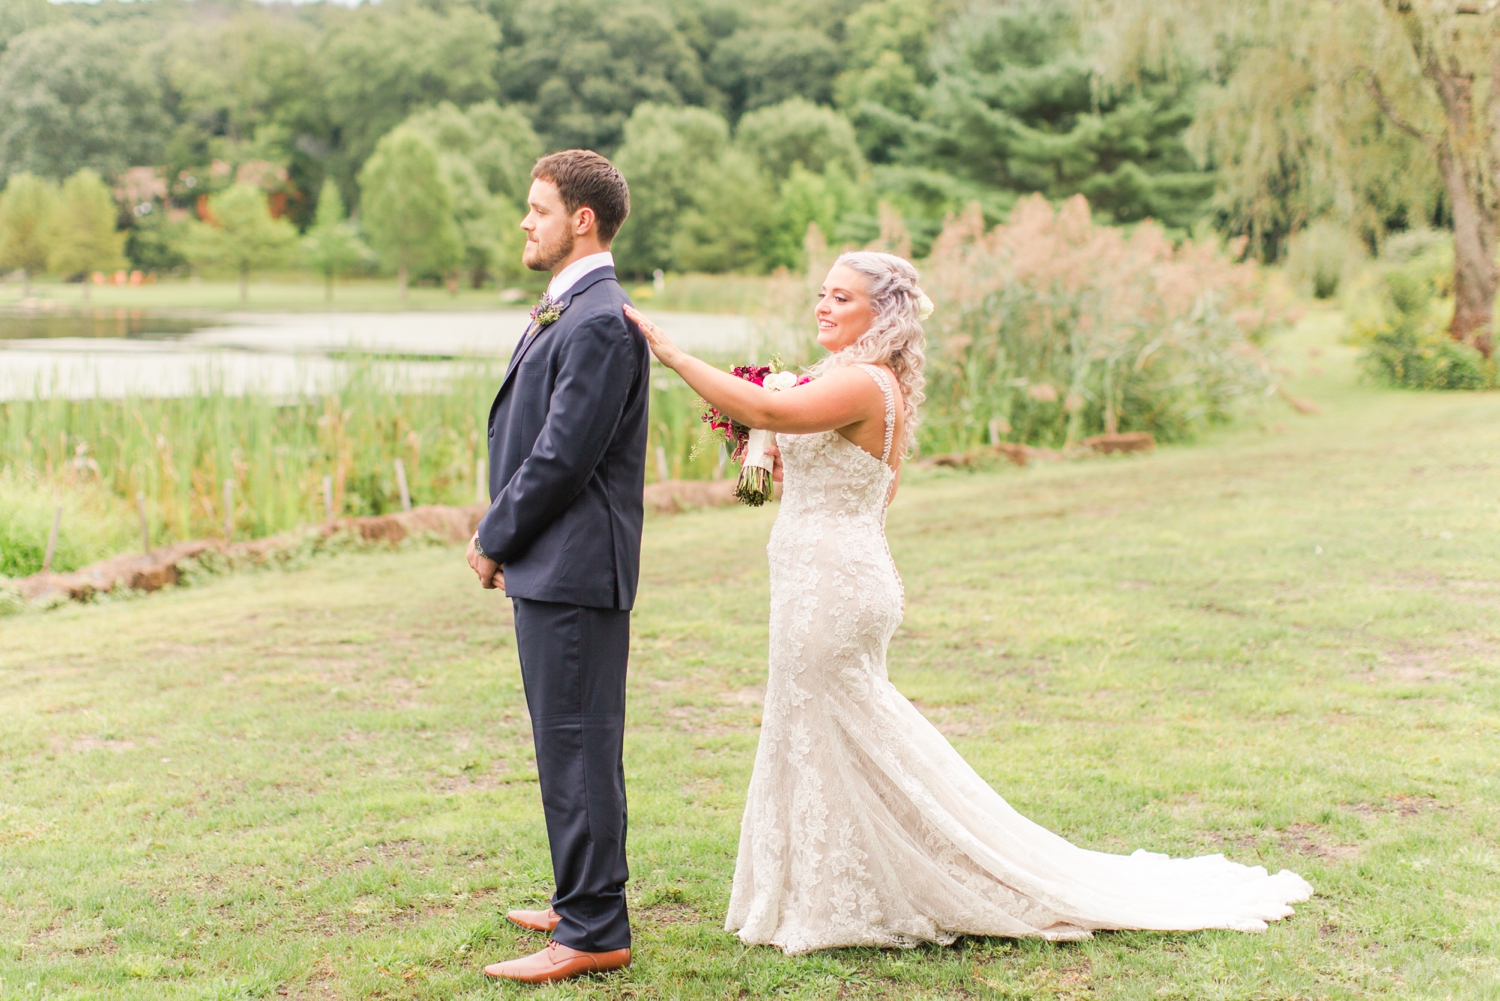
pixel 1057 328
pixel 1048 328
pixel 274 453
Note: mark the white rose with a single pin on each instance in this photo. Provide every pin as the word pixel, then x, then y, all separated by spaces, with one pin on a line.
pixel 924 305
pixel 780 380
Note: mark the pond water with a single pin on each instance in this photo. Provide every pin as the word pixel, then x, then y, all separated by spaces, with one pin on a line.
pixel 29 324
pixel 119 353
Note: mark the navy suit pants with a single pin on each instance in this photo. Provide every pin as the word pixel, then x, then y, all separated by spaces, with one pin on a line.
pixel 573 662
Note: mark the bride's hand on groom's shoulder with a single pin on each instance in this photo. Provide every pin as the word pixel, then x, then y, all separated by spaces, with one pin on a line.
pixel 666 352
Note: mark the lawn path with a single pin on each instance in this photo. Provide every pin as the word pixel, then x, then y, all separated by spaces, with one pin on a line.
pixel 1282 643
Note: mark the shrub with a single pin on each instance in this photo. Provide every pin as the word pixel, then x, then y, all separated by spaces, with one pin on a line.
pixel 1399 312
pixel 94 525
pixel 1058 328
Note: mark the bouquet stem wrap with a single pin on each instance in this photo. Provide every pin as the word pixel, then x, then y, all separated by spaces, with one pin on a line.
pixel 754 486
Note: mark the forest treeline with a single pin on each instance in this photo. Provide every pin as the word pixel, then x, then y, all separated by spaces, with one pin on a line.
pixel 235 135
pixel 737 124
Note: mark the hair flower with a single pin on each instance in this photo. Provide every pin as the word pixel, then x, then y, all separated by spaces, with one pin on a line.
pixel 924 305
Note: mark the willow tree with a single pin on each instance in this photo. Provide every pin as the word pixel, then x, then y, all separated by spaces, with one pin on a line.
pixel 1380 112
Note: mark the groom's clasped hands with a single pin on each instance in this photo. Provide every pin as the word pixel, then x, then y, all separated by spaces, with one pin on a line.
pixel 491 574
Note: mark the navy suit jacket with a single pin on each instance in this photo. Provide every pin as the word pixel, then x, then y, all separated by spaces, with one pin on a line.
pixel 567 440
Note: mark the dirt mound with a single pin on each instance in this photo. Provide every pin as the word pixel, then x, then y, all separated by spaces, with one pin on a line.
pixel 1110 444
pixel 155 570
pixel 453 524
pixel 166 566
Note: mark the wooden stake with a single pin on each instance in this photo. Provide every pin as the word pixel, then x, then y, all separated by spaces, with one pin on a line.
pixel 663 471
pixel 228 510
pixel 140 505
pixel 328 497
pixel 481 488
pixel 723 461
pixel 52 539
pixel 401 485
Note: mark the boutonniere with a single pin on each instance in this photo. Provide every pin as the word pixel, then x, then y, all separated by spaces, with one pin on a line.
pixel 546 311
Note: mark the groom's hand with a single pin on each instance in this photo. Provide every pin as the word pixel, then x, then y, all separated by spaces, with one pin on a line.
pixel 491 574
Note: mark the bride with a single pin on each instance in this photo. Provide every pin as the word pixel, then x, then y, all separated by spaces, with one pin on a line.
pixel 863 826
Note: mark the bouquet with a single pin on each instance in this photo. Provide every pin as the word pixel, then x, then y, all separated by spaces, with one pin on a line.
pixel 748 445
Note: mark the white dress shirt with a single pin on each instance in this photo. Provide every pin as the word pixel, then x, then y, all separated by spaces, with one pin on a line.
pixel 565 279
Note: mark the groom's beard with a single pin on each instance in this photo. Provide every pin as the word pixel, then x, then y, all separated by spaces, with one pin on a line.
pixel 540 257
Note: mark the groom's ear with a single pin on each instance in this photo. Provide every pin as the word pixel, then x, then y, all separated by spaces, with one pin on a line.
pixel 586 221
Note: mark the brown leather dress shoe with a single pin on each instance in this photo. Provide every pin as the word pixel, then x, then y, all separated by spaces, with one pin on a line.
pixel 557 962
pixel 534 920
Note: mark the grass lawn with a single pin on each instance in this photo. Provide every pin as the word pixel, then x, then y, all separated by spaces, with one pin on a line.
pixel 1280 643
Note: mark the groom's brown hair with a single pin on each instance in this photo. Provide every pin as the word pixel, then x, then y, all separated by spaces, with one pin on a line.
pixel 583 177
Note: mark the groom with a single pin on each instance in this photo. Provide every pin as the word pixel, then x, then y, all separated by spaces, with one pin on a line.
pixel 562 536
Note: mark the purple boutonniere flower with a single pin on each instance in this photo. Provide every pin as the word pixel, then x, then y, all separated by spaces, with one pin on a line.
pixel 546 311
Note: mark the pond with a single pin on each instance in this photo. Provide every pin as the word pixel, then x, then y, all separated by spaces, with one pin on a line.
pixel 31 324
pixel 112 353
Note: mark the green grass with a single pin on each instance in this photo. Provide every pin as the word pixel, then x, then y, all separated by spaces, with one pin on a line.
pixel 1281 644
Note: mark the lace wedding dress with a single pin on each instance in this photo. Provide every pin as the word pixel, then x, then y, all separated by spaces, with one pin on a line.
pixel 863 826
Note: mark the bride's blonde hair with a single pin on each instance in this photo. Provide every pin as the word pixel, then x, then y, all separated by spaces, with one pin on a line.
pixel 895 337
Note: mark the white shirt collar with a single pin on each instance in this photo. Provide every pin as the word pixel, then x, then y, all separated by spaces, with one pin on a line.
pixel 564 280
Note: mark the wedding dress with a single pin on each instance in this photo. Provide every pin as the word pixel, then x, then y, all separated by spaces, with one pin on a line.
pixel 863 826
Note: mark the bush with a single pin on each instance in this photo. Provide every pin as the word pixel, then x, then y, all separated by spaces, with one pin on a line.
pixel 1058 328
pixel 95 526
pixel 1400 312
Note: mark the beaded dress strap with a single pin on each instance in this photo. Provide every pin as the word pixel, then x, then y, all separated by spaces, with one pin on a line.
pixel 884 382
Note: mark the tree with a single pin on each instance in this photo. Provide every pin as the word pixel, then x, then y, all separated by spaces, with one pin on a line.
pixel 408 206
pixel 504 147
pixel 20 16
pixel 382 62
pixel 1370 97
pixel 798 131
pixel 82 233
pixel 331 246
pixel 584 66
pixel 841 208
pixel 486 153
pixel 241 234
pixel 693 197
pixel 234 75
pixel 74 96
pixel 1017 104
pixel 756 67
pixel 26 210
